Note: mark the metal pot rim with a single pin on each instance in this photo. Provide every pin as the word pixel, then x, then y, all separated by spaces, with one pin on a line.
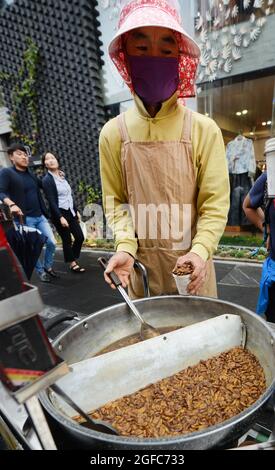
pixel 188 298
pixel 137 441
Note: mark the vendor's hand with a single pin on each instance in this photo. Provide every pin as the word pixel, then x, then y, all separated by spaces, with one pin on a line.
pixel 64 222
pixel 122 264
pixel 78 216
pixel 197 278
pixel 15 210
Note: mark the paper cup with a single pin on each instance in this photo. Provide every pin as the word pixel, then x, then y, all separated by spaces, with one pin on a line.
pixel 270 166
pixel 182 283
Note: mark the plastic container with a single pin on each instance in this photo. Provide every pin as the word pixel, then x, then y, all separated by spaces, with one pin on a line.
pixel 270 166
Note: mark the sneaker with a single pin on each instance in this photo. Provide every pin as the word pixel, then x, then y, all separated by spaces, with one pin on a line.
pixel 44 277
pixel 51 273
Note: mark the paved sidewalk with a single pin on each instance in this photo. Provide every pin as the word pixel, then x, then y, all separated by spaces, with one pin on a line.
pixel 81 292
pixel 238 282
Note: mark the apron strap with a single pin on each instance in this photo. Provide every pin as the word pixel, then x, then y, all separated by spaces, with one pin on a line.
pixel 187 125
pixel 122 128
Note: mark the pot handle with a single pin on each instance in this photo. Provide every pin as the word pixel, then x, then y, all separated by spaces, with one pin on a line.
pixel 52 322
pixel 145 277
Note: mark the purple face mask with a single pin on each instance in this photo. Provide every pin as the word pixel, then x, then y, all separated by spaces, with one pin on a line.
pixel 154 79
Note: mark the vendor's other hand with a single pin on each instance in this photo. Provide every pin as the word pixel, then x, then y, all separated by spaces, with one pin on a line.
pixel 197 278
pixel 78 217
pixel 122 264
pixel 64 222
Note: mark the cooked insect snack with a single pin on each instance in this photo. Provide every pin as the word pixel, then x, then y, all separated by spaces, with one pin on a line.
pixel 198 397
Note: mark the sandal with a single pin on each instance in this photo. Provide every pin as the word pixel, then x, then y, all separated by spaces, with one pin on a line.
pixel 51 273
pixel 77 269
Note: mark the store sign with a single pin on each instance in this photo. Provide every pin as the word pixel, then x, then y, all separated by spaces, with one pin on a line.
pixel 225 29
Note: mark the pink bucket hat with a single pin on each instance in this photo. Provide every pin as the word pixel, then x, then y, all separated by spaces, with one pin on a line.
pixel 162 13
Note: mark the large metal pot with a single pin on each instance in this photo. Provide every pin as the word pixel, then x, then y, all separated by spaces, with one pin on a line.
pixel 101 329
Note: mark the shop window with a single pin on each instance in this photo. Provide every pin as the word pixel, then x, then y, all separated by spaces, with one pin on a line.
pixel 244 104
pixel 244 109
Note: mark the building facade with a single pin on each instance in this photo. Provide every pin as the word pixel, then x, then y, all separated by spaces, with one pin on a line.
pixel 70 107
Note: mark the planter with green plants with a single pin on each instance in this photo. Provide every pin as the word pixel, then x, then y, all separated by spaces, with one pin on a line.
pixel 243 253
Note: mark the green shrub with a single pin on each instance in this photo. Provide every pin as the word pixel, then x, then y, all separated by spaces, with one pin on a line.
pixel 241 240
pixel 91 194
pixel 240 254
pixel 233 253
pixel 261 257
pixel 102 243
pixel 262 251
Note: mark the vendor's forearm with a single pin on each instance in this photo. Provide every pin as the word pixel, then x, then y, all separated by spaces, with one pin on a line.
pixel 128 246
pixel 200 250
pixel 206 241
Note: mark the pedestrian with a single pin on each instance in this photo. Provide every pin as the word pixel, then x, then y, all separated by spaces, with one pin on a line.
pixel 64 214
pixel 161 155
pixel 20 190
pixel 261 212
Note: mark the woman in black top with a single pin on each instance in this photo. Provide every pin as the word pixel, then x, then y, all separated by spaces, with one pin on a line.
pixel 64 213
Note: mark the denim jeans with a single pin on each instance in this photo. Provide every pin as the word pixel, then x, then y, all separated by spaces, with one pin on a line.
pixel 240 185
pixel 43 225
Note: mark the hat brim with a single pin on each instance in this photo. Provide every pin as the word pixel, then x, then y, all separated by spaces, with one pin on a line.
pixel 152 16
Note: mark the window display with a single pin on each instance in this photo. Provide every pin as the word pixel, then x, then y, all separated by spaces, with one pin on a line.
pixel 241 156
pixel 242 108
pixel 241 166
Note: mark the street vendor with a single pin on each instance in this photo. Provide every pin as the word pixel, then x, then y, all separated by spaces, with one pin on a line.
pixel 163 167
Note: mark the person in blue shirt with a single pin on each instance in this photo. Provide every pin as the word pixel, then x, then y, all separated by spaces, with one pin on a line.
pixel 20 190
pixel 255 207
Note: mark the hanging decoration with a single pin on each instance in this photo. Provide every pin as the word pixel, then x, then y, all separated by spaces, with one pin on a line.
pixel 114 7
pixel 225 30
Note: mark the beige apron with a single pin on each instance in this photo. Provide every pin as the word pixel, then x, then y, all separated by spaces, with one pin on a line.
pixel 161 174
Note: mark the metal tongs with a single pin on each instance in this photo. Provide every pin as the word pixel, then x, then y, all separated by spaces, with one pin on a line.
pixel 95 424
